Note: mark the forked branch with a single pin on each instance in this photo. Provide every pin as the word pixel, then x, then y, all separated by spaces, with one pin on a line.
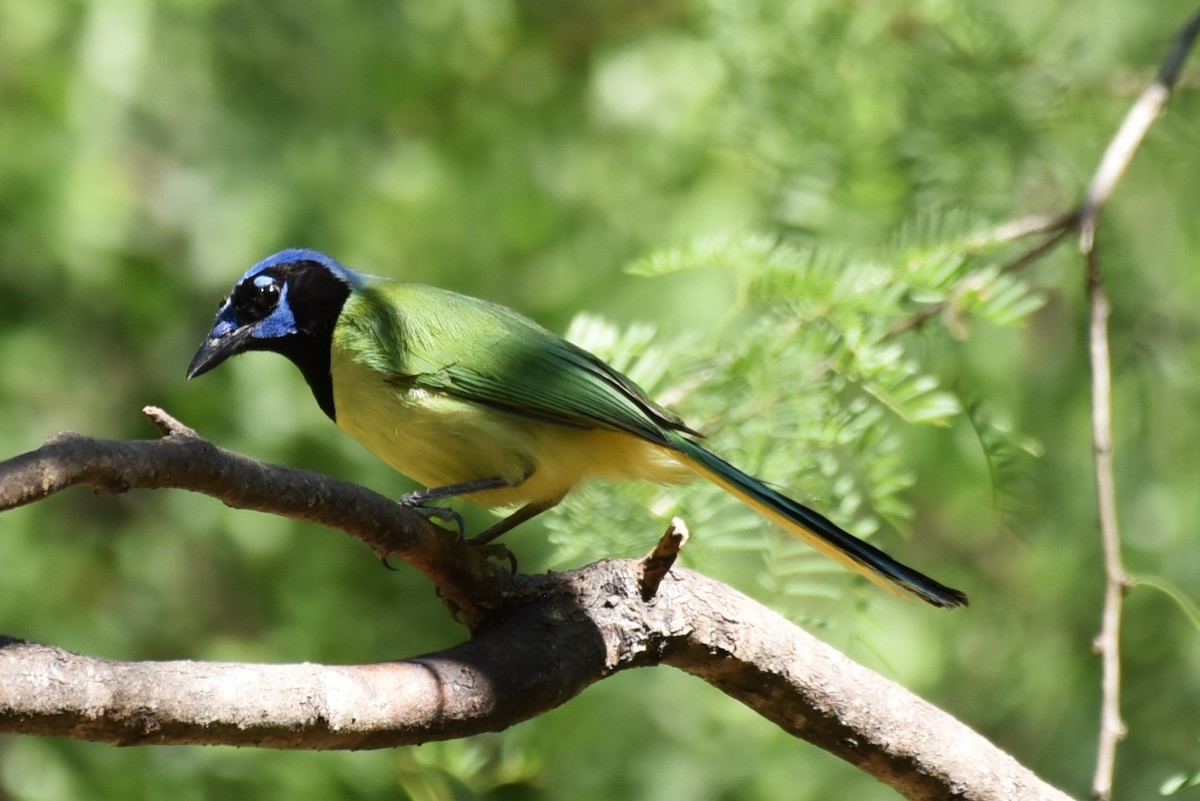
pixel 539 641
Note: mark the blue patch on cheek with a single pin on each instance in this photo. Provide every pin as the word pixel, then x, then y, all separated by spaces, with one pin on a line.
pixel 222 328
pixel 226 321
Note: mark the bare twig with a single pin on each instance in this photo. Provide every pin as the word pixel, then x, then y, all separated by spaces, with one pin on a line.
pixel 1108 641
pixel 657 563
pixel 1023 227
pixel 1052 228
pixel 1117 157
pixel 1051 239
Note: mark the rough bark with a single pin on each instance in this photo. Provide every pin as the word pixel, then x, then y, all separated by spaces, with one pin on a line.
pixel 537 642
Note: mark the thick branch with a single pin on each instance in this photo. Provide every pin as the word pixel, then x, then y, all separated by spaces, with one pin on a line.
pixel 559 633
pixel 539 640
pixel 181 459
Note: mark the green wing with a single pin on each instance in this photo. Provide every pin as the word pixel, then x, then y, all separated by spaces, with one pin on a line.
pixel 439 340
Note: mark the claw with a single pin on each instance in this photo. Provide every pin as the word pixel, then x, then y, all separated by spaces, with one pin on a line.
pixel 414 501
pixel 496 550
pixel 482 543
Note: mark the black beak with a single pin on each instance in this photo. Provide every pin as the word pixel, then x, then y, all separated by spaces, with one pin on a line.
pixel 219 346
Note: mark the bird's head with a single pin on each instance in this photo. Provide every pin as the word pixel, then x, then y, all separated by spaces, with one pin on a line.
pixel 288 303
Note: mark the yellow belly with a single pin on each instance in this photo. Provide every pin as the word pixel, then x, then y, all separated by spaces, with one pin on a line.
pixel 437 439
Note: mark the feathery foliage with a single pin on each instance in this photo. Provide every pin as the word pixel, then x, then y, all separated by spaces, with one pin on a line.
pixel 802 384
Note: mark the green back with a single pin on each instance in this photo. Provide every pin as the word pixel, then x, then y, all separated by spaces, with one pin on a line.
pixel 422 336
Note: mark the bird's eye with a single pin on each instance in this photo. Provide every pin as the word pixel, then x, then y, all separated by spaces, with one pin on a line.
pixel 265 297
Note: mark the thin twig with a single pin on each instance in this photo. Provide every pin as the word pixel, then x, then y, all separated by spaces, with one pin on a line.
pixel 1108 642
pixel 1022 227
pixel 1041 248
pixel 1117 157
pixel 1052 227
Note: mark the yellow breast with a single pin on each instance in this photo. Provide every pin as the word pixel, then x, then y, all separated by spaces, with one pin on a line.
pixel 438 439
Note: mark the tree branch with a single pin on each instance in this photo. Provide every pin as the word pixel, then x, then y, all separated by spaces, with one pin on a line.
pixel 538 641
pixel 181 459
pixel 1117 157
pixel 1116 582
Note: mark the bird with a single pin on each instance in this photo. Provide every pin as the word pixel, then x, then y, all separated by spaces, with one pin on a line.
pixel 472 399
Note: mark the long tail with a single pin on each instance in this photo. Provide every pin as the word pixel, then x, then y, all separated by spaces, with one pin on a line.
pixel 815 529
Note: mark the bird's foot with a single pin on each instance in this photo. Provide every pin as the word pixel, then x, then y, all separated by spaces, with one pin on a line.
pixel 481 543
pixel 416 501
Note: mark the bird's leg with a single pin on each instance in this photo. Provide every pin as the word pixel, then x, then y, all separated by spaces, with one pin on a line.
pixel 483 540
pixel 526 512
pixel 423 497
pixel 419 501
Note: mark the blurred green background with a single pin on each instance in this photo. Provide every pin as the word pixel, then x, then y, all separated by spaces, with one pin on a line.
pixel 530 152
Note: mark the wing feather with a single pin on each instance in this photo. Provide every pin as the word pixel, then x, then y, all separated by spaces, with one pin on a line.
pixel 485 353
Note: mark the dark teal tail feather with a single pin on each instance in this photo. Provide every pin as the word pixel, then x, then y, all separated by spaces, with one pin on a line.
pixel 822 533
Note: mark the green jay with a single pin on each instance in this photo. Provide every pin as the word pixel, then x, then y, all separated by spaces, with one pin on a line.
pixel 472 399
